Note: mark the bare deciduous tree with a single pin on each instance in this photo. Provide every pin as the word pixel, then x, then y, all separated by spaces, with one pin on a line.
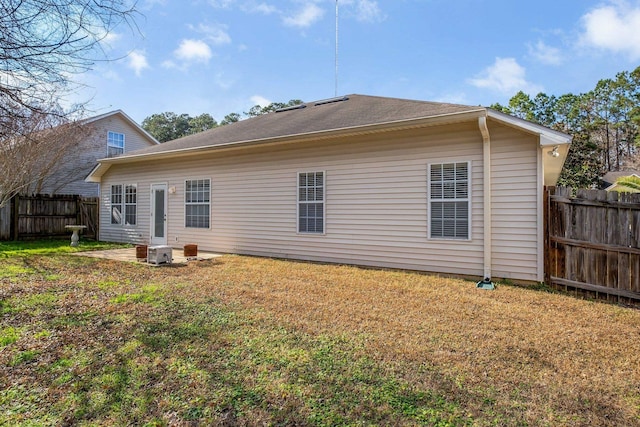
pixel 43 44
pixel 31 161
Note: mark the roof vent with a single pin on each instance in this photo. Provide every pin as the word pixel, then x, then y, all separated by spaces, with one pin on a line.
pixel 295 107
pixel 332 100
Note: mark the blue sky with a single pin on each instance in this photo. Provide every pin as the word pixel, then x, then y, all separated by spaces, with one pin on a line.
pixel 222 56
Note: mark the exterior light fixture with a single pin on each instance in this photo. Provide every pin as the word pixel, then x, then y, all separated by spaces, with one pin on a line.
pixel 554 152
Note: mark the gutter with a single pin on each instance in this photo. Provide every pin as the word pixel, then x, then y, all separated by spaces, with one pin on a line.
pixel 405 124
pixel 487 214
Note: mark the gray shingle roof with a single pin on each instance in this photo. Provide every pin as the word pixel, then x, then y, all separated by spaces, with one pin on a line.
pixel 356 110
pixel 612 177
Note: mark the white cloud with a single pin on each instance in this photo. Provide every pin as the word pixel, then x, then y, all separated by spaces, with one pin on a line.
pixel 305 17
pixel 263 8
pixel 369 11
pixel 169 64
pixel 224 82
pixel 110 39
pixel 362 10
pixel 216 34
pixel 221 4
pixel 260 100
pixel 137 62
pixel 614 27
pixel 110 75
pixel 453 98
pixel 545 54
pixel 148 4
pixel 505 76
pixel 193 51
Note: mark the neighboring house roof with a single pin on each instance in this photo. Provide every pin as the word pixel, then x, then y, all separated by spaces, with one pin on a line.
pixel 341 116
pixel 621 187
pixel 128 119
pixel 610 178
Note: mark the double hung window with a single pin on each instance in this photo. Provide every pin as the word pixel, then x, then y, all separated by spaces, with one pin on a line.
pixel 124 204
pixel 130 204
pixel 449 201
pixel 116 204
pixel 197 203
pixel 115 144
pixel 311 197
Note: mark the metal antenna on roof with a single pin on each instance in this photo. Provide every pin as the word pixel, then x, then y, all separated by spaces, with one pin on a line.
pixel 336 91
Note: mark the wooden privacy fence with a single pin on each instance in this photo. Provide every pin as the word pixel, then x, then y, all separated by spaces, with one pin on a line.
pixel 89 216
pixel 5 222
pixel 593 243
pixel 43 216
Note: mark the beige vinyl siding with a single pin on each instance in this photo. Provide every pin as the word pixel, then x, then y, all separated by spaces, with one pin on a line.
pixel 138 233
pixel 514 188
pixel 376 200
pixel 81 160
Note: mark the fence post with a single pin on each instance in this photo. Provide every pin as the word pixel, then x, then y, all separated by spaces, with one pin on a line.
pixel 78 210
pixel 547 240
pixel 15 218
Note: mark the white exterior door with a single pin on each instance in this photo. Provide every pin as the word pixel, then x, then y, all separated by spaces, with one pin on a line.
pixel 158 214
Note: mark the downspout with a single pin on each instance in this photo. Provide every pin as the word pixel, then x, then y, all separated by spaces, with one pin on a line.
pixel 486 190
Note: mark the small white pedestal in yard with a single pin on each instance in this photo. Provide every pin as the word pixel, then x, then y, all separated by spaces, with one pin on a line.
pixel 159 254
pixel 74 237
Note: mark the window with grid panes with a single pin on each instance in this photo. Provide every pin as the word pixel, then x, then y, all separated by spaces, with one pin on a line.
pixel 311 202
pixel 115 144
pixel 197 203
pixel 449 201
pixel 116 204
pixel 130 204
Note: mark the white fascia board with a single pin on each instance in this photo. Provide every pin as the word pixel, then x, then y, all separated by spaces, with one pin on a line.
pixel 96 173
pixel 548 137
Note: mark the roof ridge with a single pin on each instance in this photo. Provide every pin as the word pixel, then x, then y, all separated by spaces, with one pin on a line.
pixel 416 101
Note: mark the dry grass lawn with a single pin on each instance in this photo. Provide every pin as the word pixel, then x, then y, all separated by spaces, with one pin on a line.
pixel 534 357
pixel 254 341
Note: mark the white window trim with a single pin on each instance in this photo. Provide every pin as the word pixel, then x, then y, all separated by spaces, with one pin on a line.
pixel 124 142
pixel 468 199
pixel 184 201
pixel 112 204
pixel 123 205
pixel 324 203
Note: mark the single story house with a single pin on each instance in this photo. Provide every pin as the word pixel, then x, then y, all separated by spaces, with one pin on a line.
pixel 357 179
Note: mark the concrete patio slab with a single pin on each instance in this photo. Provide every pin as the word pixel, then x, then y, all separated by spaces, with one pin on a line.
pixel 129 255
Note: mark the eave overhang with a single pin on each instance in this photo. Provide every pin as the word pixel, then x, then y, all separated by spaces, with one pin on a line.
pixel 554 145
pixel 547 138
pixel 416 123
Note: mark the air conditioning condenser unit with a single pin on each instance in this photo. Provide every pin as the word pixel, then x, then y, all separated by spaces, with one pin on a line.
pixel 159 255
